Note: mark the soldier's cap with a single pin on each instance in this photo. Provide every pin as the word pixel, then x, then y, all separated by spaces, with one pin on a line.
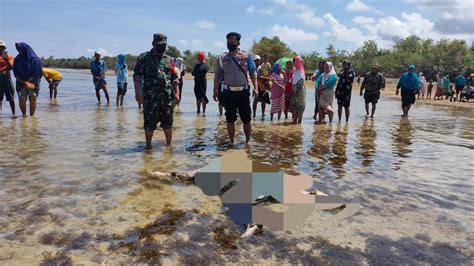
pixel 232 34
pixel 376 66
pixel 2 43
pixel 159 38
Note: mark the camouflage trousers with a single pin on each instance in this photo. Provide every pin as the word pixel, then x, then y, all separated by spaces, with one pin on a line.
pixel 157 110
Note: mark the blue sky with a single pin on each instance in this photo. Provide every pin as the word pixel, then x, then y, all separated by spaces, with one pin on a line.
pixel 78 28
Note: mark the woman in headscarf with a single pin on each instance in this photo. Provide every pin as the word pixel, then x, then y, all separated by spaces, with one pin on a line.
pixel 28 72
pixel 121 70
pixel 344 89
pixel 200 83
pixel 422 86
pixel 439 87
pixel 318 73
pixel 277 92
pixel 298 100
pixel 288 88
pixel 326 88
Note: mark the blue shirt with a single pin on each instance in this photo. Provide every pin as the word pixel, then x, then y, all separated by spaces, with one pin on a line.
pixel 460 80
pixel 330 82
pixel 409 81
pixel 122 73
pixel 98 68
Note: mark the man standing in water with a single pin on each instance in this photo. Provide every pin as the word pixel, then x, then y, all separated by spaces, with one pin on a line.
pixel 6 84
pixel 373 83
pixel 232 68
pixel 160 88
pixel 410 84
pixel 98 69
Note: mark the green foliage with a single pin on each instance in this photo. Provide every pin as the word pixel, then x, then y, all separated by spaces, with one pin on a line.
pixel 444 56
pixel 273 47
pixel 173 51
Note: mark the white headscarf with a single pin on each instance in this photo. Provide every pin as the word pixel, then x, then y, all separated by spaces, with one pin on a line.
pixel 329 73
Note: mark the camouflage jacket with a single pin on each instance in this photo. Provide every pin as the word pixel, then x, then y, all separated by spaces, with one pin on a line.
pixel 157 75
pixel 373 82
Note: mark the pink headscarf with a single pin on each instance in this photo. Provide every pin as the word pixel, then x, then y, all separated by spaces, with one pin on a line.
pixel 299 70
pixel 328 73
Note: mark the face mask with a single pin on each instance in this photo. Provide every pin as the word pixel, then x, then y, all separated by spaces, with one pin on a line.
pixel 160 49
pixel 231 47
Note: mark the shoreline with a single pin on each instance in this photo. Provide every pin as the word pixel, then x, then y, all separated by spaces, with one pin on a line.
pixel 389 90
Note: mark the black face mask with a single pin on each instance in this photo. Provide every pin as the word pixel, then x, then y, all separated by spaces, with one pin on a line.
pixel 160 48
pixel 231 47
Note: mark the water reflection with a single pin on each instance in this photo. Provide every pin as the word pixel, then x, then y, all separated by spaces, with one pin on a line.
pixel 321 149
pixel 339 148
pixel 366 138
pixel 402 140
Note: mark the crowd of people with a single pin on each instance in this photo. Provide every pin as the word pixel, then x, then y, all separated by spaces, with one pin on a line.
pixel 158 83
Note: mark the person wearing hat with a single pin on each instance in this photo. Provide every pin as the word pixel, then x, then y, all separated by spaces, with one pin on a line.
pixel 410 85
pixel 6 84
pixel 232 69
pixel 98 69
pixel 373 83
pixel 264 69
pixel 160 89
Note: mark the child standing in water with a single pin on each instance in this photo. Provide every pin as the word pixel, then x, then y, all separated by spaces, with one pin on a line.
pixel 430 88
pixel 121 70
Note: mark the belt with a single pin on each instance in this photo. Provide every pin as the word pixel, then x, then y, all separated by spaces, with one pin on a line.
pixel 235 88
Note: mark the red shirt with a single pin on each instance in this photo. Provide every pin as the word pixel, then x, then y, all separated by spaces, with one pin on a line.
pixel 3 64
pixel 289 82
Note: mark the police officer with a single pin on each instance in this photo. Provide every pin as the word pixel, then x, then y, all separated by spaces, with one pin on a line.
pixel 232 69
pixel 160 88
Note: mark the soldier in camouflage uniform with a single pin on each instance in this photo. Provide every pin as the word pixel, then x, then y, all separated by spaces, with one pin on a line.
pixel 373 83
pixel 160 88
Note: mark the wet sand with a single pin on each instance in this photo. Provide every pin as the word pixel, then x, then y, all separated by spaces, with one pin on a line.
pixel 75 187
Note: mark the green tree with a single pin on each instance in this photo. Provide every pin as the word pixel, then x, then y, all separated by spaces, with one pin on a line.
pixel 173 51
pixel 274 47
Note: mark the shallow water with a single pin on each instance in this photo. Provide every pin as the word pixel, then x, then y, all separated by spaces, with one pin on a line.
pixel 75 189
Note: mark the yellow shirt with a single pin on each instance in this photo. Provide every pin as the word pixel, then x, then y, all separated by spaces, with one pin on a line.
pixel 52 74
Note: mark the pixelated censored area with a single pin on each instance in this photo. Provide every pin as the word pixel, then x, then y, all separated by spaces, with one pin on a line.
pixel 251 180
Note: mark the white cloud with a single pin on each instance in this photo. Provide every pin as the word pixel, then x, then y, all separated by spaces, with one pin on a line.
pixel 451 17
pixel 101 51
pixel 342 33
pixel 183 42
pixel 219 44
pixel 205 24
pixel 293 35
pixel 363 20
pixel 193 44
pixel 359 6
pixel 303 13
pixel 265 11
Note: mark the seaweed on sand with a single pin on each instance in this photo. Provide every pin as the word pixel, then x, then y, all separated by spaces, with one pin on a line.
pixel 60 258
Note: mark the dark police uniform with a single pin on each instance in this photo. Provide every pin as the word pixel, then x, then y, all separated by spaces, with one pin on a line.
pixel 235 85
pixel 158 82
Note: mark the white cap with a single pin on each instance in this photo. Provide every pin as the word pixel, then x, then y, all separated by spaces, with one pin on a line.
pixel 257 57
pixel 2 43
